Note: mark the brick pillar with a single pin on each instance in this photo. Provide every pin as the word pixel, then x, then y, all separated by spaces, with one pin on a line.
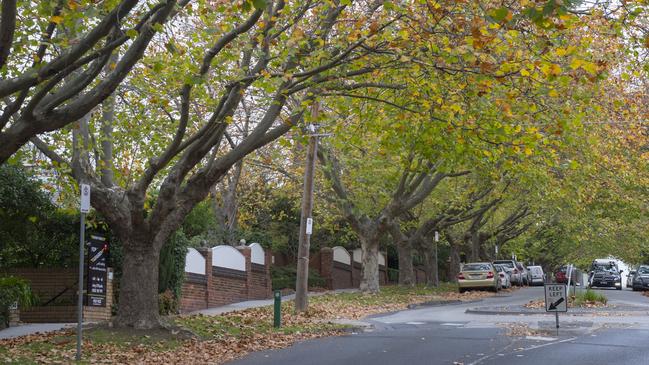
pixel 268 260
pixel 209 294
pixel 245 250
pixel 327 266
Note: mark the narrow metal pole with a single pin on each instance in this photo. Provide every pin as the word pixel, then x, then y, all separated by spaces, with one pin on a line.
pixel 82 233
pixel 557 316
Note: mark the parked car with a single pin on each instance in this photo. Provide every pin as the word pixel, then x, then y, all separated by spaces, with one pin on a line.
pixel 504 277
pixel 515 275
pixel 561 275
pixel 641 278
pixel 605 273
pixel 629 278
pixel 537 275
pixel 478 275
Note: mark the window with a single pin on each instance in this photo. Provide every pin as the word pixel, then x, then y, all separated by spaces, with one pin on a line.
pixel 477 267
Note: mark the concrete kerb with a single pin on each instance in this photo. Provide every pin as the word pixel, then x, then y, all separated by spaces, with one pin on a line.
pixel 577 312
pixel 438 303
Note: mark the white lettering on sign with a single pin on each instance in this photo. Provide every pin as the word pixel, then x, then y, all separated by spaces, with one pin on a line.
pixel 555 298
pixel 85 198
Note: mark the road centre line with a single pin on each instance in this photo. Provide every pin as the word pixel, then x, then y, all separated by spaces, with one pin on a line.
pixel 478 361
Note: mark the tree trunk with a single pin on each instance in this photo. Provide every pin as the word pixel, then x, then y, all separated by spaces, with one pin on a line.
pixel 454 266
pixel 406 269
pixel 475 246
pixel 430 265
pixel 370 264
pixel 138 298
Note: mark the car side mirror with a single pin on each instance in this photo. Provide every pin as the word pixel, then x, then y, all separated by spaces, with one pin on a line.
pixel 621 271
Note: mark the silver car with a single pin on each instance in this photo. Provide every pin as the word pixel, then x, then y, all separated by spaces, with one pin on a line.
pixel 503 276
pixel 537 275
pixel 515 275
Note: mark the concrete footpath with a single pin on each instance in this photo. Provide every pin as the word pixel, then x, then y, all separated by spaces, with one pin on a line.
pixel 32 328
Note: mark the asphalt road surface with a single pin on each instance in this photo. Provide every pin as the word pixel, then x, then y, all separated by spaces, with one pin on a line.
pixel 449 335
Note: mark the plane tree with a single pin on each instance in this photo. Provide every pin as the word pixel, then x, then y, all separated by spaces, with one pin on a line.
pixel 53 54
pixel 174 128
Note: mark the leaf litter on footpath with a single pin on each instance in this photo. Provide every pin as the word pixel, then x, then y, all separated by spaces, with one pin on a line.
pixel 218 339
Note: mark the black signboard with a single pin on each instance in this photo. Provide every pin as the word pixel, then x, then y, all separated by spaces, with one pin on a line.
pixel 97 271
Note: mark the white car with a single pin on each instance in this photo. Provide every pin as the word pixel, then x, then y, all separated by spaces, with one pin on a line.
pixel 537 275
pixel 504 277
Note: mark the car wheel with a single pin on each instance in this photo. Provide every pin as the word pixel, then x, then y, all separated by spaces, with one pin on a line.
pixel 618 287
pixel 461 290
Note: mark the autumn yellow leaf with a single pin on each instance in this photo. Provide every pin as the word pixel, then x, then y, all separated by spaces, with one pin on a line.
pixel 56 19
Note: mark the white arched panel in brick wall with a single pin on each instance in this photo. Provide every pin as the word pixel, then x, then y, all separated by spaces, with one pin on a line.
pixel 341 255
pixel 257 255
pixel 194 262
pixel 357 254
pixel 228 257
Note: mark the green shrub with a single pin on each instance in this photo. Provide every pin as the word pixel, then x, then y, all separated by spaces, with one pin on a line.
pixel 285 277
pixel 588 296
pixel 172 264
pixel 13 289
pixel 33 231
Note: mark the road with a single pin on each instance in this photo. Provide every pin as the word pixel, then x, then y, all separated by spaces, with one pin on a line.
pixel 449 335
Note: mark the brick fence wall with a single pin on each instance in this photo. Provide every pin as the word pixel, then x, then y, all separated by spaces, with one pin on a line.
pixel 341 275
pixel 46 283
pixel 221 285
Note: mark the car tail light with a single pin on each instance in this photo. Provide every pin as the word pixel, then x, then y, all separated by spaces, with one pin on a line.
pixel 460 276
pixel 490 275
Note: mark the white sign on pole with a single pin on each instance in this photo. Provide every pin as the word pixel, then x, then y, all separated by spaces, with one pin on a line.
pixel 556 299
pixel 85 198
pixel 436 236
pixel 309 225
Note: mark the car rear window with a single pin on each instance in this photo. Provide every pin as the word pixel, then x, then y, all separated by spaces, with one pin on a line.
pixel 536 270
pixel 509 264
pixel 476 267
pixel 643 271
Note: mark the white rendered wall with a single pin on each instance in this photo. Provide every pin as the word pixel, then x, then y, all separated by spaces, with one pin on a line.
pixel 228 257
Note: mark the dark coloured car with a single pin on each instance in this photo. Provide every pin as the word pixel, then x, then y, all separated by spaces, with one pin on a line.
pixel 641 278
pixel 604 277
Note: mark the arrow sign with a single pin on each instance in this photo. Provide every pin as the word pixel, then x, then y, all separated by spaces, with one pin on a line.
pixel 556 299
pixel 554 305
